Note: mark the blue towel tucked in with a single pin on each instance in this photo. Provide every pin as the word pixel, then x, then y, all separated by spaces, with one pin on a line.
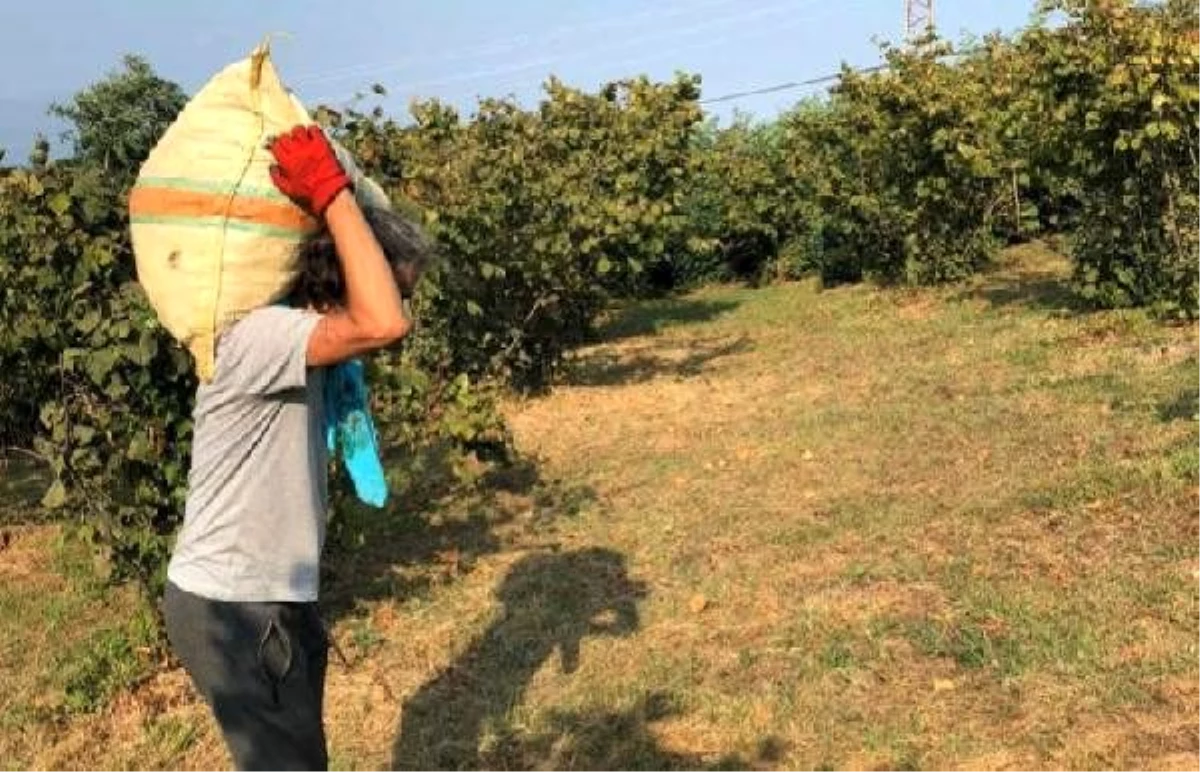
pixel 350 432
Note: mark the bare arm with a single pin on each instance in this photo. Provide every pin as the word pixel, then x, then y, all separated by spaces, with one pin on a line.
pixel 308 171
pixel 374 315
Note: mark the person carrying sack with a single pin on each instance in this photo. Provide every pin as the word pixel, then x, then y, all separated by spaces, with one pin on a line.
pixel 241 599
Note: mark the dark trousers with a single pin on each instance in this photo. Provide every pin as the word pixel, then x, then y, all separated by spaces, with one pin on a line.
pixel 261 666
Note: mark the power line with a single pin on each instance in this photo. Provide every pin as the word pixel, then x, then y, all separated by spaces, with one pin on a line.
pixel 501 46
pixel 793 84
pixel 709 26
pixel 918 21
pixel 514 43
pixel 739 36
pixel 788 86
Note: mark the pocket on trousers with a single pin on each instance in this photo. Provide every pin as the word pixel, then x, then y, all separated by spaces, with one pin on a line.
pixel 275 656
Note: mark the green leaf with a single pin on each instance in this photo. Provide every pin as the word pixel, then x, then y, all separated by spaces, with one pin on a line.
pixel 100 363
pixel 603 266
pixel 56 495
pixel 60 203
pixel 139 449
pixel 146 350
pixel 89 322
pixel 83 434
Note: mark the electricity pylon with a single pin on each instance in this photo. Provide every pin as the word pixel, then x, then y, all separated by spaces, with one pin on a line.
pixel 918 19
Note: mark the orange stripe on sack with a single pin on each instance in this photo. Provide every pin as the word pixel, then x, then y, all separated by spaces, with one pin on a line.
pixel 170 202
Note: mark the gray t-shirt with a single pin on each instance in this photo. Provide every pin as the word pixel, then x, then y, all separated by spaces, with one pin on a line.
pixel 254 524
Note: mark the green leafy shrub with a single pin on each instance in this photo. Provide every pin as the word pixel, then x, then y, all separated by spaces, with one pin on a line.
pixel 908 178
pixel 541 215
pixel 112 391
pixel 1115 90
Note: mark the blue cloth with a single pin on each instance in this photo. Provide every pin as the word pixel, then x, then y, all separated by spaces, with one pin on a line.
pixel 350 432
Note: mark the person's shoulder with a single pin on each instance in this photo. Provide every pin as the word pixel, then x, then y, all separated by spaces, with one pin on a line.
pixel 270 320
pixel 277 313
pixel 265 351
pixel 266 327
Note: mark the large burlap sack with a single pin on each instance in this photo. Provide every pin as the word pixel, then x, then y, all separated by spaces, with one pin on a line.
pixel 213 238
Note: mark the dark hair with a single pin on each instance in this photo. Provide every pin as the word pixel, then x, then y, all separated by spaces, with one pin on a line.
pixel 319 282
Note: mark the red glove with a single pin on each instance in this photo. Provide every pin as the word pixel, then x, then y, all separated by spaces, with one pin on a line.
pixel 307 170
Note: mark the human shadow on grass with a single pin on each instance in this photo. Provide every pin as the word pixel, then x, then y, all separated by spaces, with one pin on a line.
pixel 551 602
pixel 610 368
pixel 433 532
pixel 650 317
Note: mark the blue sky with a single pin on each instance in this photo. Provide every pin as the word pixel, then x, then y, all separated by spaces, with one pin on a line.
pixel 456 50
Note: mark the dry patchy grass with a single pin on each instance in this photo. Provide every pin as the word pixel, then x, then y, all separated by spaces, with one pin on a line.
pixel 776 528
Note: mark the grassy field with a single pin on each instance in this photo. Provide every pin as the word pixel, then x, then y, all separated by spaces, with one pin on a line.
pixel 774 528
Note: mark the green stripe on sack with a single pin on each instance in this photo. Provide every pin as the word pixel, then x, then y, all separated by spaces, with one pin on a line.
pixel 218 222
pixel 211 186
